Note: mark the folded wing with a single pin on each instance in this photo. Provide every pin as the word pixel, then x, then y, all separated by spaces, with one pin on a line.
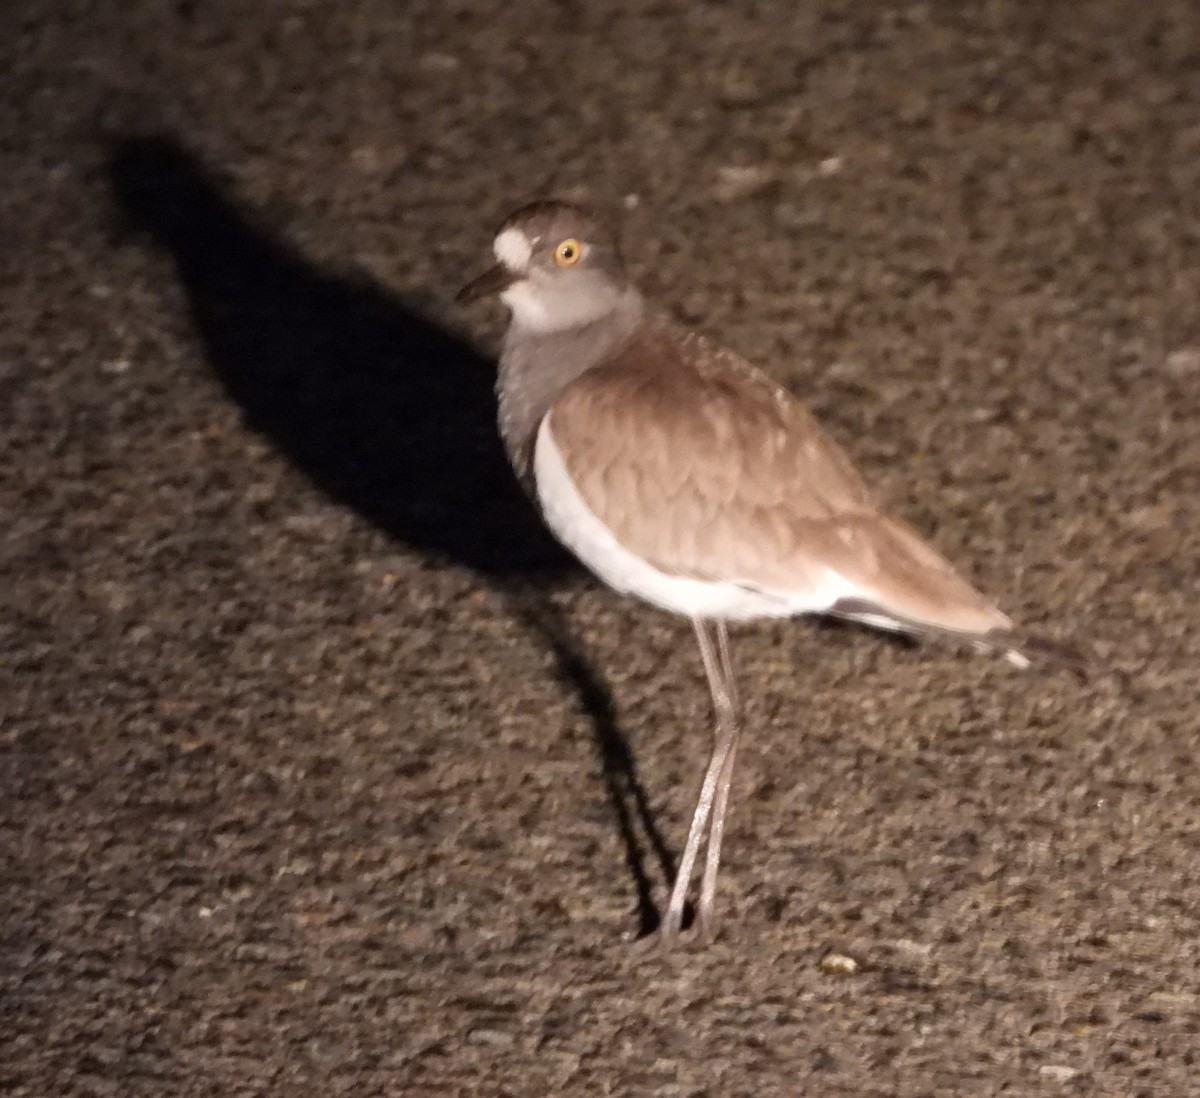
pixel 705 468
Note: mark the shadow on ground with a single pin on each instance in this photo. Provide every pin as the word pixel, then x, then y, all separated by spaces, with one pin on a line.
pixel 387 412
pixel 384 410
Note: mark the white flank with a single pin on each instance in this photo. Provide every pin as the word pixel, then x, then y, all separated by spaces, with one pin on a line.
pixel 577 526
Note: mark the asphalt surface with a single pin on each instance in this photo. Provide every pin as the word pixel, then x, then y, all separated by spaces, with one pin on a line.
pixel 323 773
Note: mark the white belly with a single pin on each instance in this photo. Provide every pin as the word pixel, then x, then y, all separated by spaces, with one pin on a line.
pixel 579 529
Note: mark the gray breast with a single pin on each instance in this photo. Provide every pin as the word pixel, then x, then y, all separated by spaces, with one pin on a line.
pixel 535 368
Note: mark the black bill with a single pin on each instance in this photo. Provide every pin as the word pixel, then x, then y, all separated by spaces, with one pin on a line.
pixel 490 282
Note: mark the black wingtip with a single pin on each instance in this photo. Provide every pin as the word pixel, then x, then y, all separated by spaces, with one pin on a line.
pixel 1073 656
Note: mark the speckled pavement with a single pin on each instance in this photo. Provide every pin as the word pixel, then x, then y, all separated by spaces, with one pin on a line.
pixel 323 773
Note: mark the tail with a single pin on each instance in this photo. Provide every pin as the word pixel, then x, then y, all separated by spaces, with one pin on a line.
pixel 1015 645
pixel 1023 649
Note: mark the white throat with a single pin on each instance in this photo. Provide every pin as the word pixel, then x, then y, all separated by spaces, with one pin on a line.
pixel 535 311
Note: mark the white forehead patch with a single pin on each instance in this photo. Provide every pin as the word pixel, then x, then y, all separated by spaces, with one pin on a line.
pixel 513 249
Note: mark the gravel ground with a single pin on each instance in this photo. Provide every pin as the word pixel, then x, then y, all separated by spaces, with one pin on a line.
pixel 324 773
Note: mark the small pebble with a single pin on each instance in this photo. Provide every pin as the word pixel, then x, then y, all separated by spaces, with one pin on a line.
pixel 494 1037
pixel 839 963
pixel 1184 362
pixel 1060 1073
pixel 736 181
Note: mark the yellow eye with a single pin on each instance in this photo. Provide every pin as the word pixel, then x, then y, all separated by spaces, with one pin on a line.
pixel 568 253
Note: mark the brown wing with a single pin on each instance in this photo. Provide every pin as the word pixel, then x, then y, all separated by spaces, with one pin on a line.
pixel 702 465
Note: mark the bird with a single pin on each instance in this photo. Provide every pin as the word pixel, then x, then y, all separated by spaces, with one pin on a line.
pixel 679 473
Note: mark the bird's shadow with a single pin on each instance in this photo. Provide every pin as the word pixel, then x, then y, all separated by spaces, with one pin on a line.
pixel 385 410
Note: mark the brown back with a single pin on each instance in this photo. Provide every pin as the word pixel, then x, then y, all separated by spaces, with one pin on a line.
pixel 701 464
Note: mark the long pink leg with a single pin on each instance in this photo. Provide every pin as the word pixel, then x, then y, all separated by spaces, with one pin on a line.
pixel 705 914
pixel 714 790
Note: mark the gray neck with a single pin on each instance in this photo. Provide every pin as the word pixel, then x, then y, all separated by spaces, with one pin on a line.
pixel 536 366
